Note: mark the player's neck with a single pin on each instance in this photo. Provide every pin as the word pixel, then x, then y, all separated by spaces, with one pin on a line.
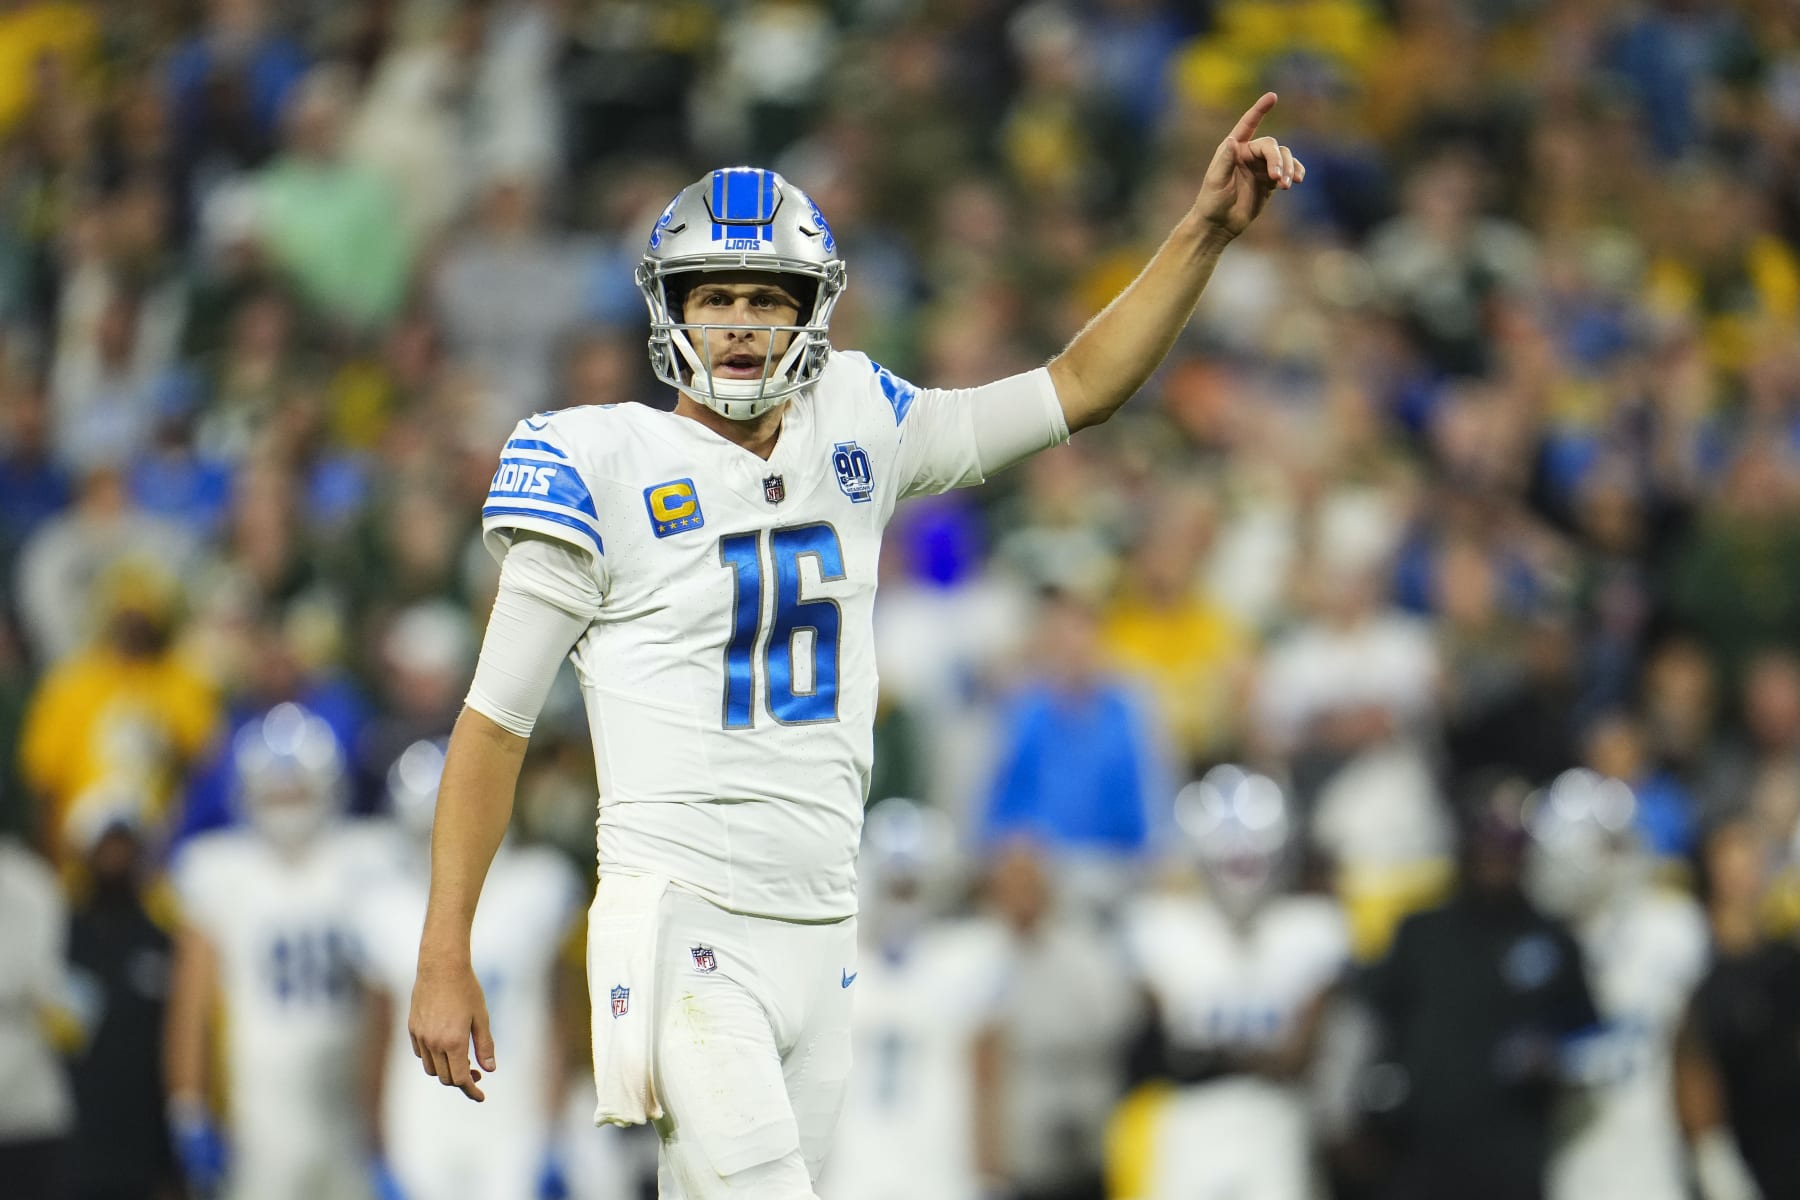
pixel 757 435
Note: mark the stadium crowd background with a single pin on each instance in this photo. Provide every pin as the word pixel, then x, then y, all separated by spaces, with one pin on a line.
pixel 1483 451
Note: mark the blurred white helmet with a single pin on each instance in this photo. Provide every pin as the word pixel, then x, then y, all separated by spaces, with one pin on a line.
pixel 910 868
pixel 1584 849
pixel 906 844
pixel 1241 828
pixel 412 787
pixel 740 219
pixel 289 775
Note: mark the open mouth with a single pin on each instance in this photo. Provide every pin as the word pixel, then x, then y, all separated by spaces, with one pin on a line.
pixel 740 366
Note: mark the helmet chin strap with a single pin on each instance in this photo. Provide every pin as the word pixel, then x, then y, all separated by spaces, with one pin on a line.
pixel 735 399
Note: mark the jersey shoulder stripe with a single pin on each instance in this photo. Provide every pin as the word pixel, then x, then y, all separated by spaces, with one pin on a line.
pixel 898 393
pixel 532 479
pixel 540 485
pixel 538 444
pixel 495 515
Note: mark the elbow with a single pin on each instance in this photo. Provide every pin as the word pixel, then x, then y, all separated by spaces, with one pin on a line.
pixel 1081 409
pixel 476 726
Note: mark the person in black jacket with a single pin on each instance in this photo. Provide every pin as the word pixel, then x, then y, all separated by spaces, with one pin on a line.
pixel 1475 1001
pixel 1737 1065
pixel 119 964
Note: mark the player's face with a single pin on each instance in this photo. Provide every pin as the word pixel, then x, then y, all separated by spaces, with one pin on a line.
pixel 747 301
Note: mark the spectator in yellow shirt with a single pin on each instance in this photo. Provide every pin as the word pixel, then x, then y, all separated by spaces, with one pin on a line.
pixel 29 32
pixel 1162 628
pixel 126 710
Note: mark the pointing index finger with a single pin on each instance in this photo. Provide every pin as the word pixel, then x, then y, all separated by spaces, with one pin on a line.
pixel 1245 129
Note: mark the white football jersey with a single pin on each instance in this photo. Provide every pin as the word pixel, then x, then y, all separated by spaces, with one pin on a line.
pixel 1219 987
pixel 1644 959
pixel 440 1146
pixel 284 931
pixel 907 1126
pixel 729 675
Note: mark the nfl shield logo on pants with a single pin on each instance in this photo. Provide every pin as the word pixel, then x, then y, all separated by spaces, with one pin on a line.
pixel 704 962
pixel 774 489
pixel 621 1000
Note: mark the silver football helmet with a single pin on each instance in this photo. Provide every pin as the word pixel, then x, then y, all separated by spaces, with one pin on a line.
pixel 1241 828
pixel 740 219
pixel 289 775
pixel 412 787
pixel 1584 849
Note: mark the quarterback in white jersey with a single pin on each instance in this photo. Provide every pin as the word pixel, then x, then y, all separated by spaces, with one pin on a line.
pixel 1646 950
pixel 713 572
pixel 268 937
pixel 1236 980
pixel 436 1146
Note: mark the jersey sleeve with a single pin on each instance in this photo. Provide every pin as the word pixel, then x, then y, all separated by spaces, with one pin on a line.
pixel 951 438
pixel 540 487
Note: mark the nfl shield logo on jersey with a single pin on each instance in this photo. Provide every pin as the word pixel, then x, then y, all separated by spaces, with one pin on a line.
pixel 621 1000
pixel 774 489
pixel 704 962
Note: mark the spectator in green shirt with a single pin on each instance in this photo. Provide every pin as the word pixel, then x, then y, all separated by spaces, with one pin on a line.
pixel 330 223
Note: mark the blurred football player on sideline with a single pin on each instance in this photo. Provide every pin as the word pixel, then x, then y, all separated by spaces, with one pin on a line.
pixel 1237 981
pixel 1645 950
pixel 436 1147
pixel 266 937
pixel 714 571
pixel 928 987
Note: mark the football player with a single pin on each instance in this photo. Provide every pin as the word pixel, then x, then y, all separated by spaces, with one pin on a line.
pixel 927 986
pixel 266 942
pixel 713 570
pixel 436 1147
pixel 1237 981
pixel 1645 949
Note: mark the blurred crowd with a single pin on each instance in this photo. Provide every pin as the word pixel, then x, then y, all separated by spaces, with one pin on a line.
pixel 1479 464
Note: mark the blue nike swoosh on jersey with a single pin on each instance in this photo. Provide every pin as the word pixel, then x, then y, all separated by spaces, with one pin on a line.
pixel 849 978
pixel 529 425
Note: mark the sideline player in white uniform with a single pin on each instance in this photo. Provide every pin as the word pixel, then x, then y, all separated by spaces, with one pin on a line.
pixel 926 989
pixel 436 1146
pixel 1646 949
pixel 714 572
pixel 267 936
pixel 1237 980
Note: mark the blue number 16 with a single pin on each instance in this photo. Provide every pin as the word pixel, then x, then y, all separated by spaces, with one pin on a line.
pixel 742 553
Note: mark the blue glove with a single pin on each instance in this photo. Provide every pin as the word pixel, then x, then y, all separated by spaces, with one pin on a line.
pixel 381 1178
pixel 552 1184
pixel 198 1145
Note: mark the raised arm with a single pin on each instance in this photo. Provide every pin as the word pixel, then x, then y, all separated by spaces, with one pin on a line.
pixel 1110 359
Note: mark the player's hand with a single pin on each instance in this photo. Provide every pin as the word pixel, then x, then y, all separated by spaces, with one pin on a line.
pixel 1245 171
pixel 198 1146
pixel 448 1012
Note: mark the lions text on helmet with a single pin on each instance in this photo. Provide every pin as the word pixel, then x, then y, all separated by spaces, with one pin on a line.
pixel 740 277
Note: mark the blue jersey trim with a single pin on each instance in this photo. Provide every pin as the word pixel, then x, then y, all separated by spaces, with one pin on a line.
pixel 496 510
pixel 900 394
pixel 532 479
pixel 533 444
